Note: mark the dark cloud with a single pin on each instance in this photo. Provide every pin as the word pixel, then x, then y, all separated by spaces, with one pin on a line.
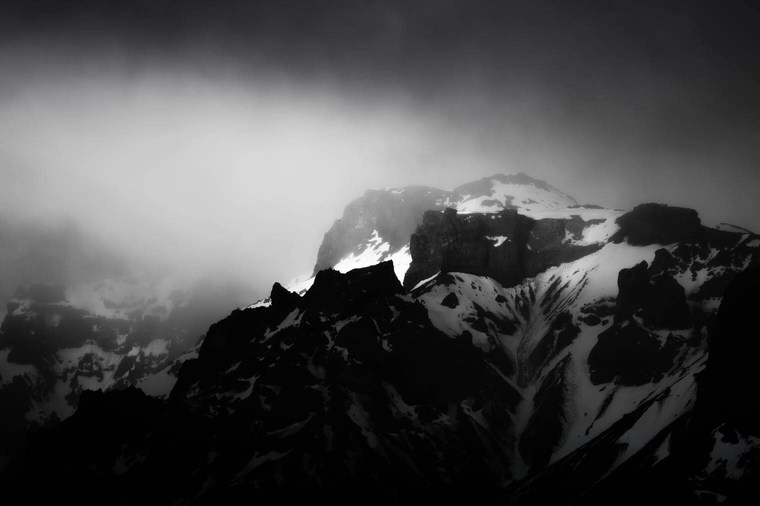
pixel 614 102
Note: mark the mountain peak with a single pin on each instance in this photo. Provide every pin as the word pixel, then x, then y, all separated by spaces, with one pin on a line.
pixel 500 191
pixel 520 178
pixel 378 225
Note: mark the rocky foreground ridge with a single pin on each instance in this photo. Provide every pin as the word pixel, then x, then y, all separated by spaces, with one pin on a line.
pixel 558 355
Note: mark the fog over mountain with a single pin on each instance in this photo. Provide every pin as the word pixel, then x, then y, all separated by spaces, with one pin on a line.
pixel 379 251
pixel 193 137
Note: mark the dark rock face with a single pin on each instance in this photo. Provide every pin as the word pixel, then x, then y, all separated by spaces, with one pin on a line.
pixel 592 320
pixel 665 307
pixel 506 246
pixel 336 292
pixel 74 450
pixel 364 396
pixel 447 242
pixel 630 355
pixel 627 352
pixel 545 427
pixel 728 388
pixel 633 285
pixel 660 300
pixel 726 414
pixel 727 410
pixel 283 301
pixel 393 215
pixel 224 340
pixel 451 300
pixel 658 224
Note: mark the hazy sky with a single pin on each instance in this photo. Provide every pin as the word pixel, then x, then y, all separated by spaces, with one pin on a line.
pixel 229 135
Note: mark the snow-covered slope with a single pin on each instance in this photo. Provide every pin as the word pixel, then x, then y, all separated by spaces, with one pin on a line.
pixel 463 388
pixel 616 335
pixel 542 353
pixel 518 191
pixel 549 341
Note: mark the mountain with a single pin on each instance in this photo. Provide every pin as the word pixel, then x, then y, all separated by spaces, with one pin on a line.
pixel 57 342
pixel 77 315
pixel 534 352
pixel 378 226
pixel 52 348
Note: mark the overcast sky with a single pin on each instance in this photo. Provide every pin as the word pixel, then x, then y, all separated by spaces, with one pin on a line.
pixel 230 135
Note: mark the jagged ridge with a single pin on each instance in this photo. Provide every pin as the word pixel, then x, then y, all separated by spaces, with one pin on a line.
pixel 455 390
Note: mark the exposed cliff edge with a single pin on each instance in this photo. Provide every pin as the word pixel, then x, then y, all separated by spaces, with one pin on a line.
pixel 506 246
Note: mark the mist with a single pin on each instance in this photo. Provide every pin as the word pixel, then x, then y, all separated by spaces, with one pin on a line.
pixel 225 144
pixel 197 175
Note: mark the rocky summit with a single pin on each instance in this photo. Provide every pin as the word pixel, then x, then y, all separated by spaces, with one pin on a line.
pixel 497 343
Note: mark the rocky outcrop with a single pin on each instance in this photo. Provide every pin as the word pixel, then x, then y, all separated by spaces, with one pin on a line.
pixel 339 293
pixel 506 246
pixel 393 214
pixel 283 301
pixel 629 352
pixel 728 388
pixel 659 300
pixel 658 224
pixel 723 436
pixel 630 355
pixel 708 455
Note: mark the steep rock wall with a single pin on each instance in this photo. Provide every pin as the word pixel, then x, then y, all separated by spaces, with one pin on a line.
pixel 506 246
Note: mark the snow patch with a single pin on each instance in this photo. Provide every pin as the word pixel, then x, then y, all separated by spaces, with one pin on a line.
pixel 728 457
pixel 402 259
pixel 156 348
pixel 498 240
pixel 525 197
pixel 372 253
